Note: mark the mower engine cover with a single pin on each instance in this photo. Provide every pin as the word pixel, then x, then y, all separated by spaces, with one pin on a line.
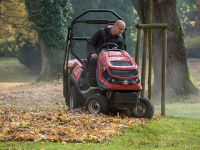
pixel 117 70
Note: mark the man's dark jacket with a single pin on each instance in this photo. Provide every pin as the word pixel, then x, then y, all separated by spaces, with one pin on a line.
pixel 104 36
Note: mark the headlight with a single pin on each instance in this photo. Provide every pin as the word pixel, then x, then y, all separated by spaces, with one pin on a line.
pixel 137 80
pixel 113 80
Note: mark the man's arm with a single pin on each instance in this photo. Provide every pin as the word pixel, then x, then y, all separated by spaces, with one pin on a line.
pixel 93 42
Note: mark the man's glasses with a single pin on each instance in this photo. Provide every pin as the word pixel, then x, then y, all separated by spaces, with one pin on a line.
pixel 121 28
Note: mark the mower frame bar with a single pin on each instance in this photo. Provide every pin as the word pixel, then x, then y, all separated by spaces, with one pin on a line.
pixel 98 21
pixel 96 10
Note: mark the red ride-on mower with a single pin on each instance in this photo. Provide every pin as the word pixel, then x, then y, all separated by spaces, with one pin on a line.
pixel 117 76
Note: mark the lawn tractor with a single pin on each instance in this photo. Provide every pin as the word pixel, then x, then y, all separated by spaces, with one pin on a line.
pixel 118 84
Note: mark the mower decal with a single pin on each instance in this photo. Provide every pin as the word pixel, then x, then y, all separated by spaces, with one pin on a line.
pixel 111 54
pixel 77 72
pixel 118 56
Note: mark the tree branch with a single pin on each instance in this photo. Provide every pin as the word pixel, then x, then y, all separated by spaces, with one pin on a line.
pixel 11 9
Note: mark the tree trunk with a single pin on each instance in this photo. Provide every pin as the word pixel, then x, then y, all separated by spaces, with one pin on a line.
pixel 177 76
pixel 46 73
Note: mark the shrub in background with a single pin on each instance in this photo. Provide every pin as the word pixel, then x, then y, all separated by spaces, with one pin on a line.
pixel 7 47
pixel 30 56
pixel 193 46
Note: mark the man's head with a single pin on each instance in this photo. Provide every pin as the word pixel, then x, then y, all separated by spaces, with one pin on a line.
pixel 118 27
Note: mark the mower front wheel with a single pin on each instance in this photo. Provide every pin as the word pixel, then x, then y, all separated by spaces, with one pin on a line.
pixel 96 104
pixel 144 109
pixel 75 99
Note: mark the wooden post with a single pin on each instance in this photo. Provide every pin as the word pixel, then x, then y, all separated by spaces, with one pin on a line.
pixel 152 26
pixel 144 58
pixel 137 53
pixel 164 56
pixel 150 50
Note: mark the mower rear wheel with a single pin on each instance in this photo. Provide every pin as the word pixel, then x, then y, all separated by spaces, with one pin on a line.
pixel 96 104
pixel 144 109
pixel 75 99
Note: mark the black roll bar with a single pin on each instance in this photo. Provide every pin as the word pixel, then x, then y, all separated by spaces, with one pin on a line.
pixel 96 10
pixel 98 21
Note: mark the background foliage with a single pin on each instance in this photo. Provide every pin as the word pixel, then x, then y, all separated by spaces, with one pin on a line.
pixel 50 18
pixel 29 55
pixel 17 39
pixel 189 12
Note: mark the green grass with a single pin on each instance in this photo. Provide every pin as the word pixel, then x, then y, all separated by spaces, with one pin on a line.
pixel 13 71
pixel 163 133
pixel 190 110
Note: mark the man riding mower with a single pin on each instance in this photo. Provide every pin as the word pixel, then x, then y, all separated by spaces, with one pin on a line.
pixel 117 83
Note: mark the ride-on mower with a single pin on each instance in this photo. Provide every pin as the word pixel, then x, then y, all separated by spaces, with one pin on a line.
pixel 118 83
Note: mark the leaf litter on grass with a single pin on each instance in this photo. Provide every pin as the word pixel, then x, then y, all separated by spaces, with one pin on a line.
pixel 37 94
pixel 33 124
pixel 60 125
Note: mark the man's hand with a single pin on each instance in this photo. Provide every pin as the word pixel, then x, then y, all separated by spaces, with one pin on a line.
pixel 114 47
pixel 94 55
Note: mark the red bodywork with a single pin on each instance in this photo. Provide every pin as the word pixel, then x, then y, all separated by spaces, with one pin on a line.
pixel 76 66
pixel 105 58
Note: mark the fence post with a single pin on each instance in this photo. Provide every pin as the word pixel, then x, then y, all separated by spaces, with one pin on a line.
pixel 137 53
pixel 164 54
pixel 144 58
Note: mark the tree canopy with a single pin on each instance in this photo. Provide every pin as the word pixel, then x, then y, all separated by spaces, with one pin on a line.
pixel 13 16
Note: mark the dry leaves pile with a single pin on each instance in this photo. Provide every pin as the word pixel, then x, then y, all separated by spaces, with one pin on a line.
pixel 32 94
pixel 60 125
pixel 35 124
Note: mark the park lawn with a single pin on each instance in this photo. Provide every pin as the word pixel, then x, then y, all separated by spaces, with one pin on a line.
pixel 181 109
pixel 12 71
pixel 161 133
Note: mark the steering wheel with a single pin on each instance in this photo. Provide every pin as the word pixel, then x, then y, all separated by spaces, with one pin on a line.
pixel 106 45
